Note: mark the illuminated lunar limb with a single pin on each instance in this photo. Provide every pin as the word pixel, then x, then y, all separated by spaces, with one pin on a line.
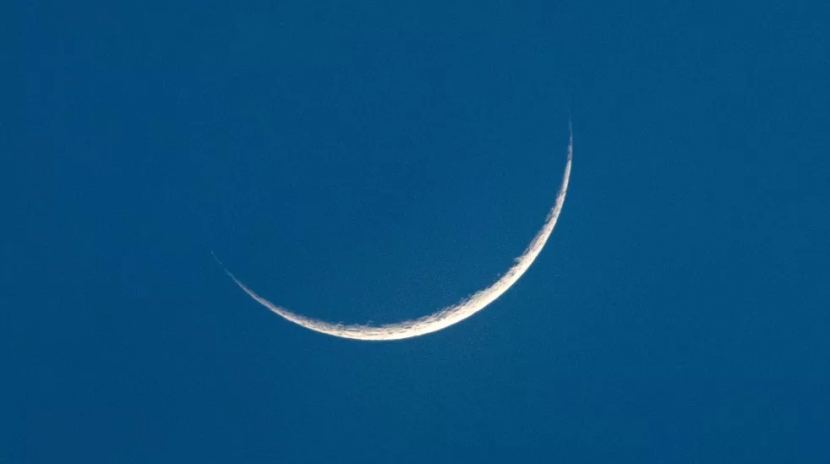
pixel 445 317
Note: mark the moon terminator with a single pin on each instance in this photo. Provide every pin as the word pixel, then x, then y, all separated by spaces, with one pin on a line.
pixel 442 318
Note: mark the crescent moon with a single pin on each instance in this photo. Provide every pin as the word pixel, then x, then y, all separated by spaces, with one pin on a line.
pixel 445 317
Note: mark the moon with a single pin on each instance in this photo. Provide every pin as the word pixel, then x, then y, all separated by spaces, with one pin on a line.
pixel 442 318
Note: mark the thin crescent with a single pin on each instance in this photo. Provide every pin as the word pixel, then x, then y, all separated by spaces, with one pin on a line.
pixel 445 317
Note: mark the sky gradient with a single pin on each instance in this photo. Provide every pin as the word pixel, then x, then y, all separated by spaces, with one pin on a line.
pixel 371 162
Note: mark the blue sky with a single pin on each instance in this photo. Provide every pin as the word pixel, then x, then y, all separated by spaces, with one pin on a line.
pixel 374 162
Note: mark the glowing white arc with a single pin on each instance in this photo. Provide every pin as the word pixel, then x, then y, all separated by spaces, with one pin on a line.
pixel 444 317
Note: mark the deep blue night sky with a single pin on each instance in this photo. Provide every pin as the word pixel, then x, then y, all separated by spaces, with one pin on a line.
pixel 375 161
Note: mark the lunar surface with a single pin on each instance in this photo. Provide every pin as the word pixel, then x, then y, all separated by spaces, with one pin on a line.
pixel 445 317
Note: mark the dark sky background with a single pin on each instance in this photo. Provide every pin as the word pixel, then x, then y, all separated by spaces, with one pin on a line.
pixel 375 161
